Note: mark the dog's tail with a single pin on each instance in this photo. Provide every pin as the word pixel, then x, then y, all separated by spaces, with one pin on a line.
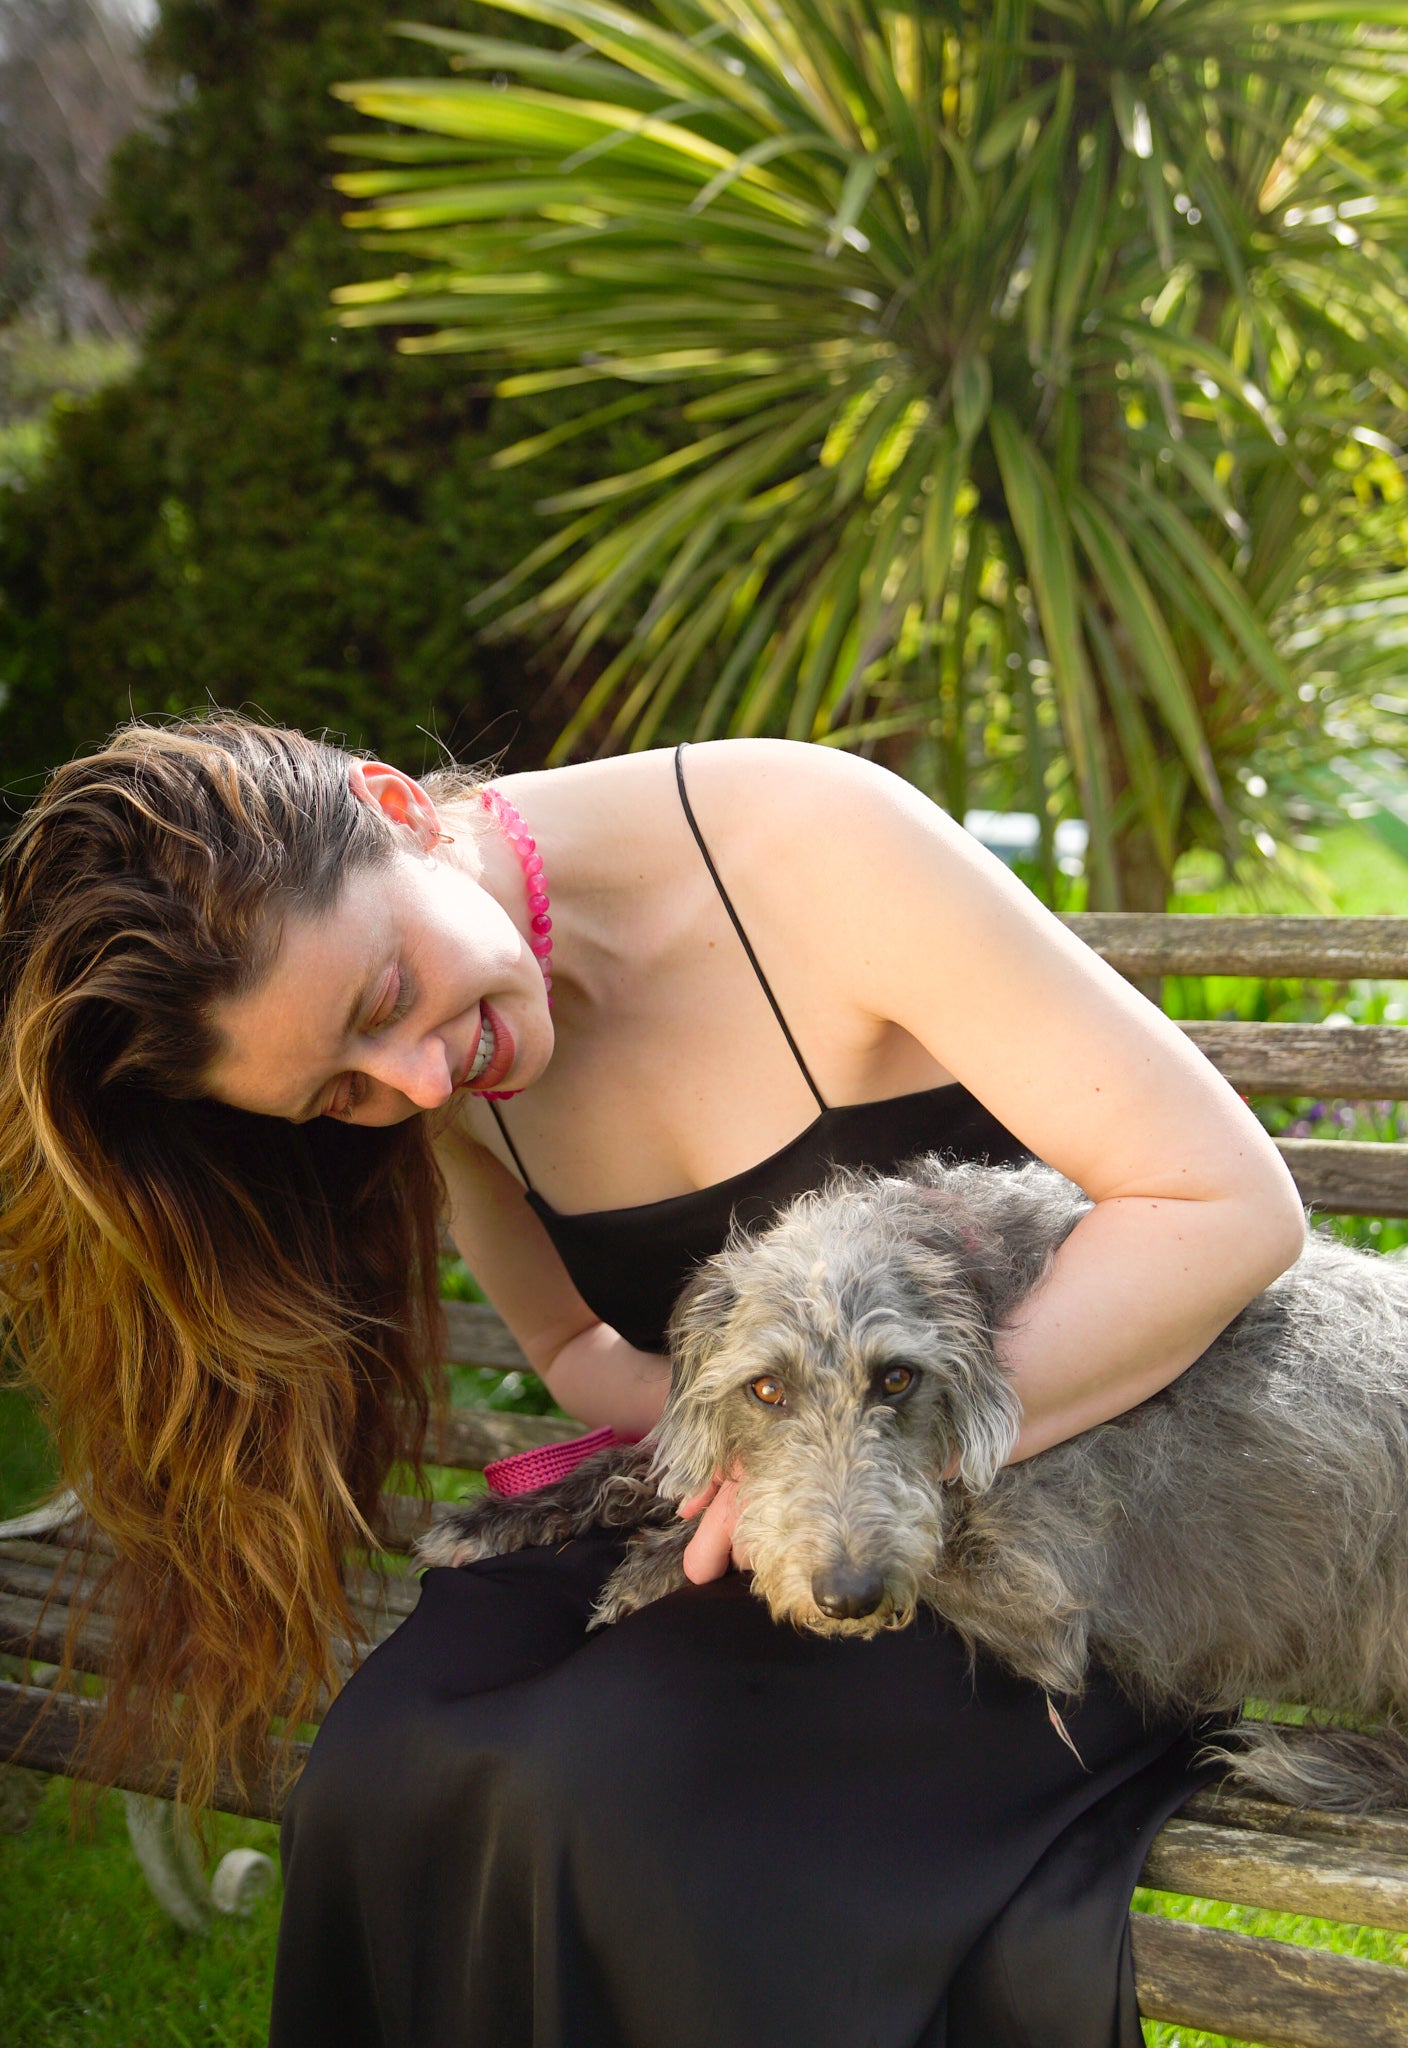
pixel 1340 1770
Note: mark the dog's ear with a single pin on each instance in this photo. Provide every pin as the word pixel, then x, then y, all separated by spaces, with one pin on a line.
pixel 985 1418
pixel 962 1262
pixel 688 1449
pixel 698 1321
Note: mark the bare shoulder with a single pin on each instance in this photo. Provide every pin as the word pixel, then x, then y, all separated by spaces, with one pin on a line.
pixel 909 918
pixel 798 791
pixel 846 836
pixel 795 774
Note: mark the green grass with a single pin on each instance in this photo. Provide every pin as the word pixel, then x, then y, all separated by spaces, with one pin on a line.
pixel 89 1960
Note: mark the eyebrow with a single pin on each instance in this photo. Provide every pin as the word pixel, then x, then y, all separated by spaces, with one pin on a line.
pixel 308 1113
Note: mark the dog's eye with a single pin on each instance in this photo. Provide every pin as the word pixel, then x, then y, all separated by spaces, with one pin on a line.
pixel 896 1380
pixel 767 1390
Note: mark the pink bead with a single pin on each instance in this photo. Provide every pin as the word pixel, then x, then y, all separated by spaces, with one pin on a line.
pixel 537 901
pixel 533 866
pixel 542 947
pixel 542 922
pixel 524 844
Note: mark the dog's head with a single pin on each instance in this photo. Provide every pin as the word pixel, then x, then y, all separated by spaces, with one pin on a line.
pixel 842 1359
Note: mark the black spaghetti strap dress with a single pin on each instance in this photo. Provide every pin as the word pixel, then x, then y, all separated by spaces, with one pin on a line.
pixel 696 1829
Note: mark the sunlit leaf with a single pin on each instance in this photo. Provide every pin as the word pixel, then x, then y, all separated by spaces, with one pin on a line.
pixel 1032 377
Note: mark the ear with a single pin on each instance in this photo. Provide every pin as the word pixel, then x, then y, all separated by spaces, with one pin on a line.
pixel 400 800
pixel 688 1445
pixel 697 1322
pixel 987 1420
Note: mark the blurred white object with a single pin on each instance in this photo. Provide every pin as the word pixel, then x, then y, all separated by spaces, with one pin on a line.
pixel 1016 835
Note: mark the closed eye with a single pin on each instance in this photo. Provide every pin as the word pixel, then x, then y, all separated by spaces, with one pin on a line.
pixel 350 1090
pixel 399 997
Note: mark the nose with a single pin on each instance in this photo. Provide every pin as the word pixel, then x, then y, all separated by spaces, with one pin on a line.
pixel 846 1591
pixel 420 1072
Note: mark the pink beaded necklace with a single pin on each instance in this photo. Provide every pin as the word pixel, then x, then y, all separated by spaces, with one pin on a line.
pixel 510 821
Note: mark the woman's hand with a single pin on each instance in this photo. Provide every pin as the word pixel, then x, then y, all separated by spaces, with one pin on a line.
pixel 711 1547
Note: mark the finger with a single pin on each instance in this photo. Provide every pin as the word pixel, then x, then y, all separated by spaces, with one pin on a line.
pixel 711 1546
pixel 697 1502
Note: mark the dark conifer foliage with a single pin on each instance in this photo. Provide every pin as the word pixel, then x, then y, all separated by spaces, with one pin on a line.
pixel 271 511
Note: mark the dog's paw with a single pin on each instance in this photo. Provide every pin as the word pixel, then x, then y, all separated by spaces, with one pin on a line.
pixel 652 1567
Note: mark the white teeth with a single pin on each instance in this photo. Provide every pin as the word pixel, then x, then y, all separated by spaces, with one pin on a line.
pixel 485 1052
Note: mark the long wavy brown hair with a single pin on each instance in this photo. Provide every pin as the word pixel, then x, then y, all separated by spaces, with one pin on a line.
pixel 229 1318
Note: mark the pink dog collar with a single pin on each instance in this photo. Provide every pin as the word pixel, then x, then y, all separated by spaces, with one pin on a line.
pixel 525 1471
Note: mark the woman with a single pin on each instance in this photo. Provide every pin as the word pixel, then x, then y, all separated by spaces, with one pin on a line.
pixel 247 981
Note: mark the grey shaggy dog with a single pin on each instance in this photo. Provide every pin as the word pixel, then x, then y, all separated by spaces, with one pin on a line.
pixel 1242 1534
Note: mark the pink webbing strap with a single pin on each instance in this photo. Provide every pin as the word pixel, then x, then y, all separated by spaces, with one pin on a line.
pixel 525 1471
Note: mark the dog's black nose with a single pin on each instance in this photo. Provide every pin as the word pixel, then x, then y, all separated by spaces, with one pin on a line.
pixel 845 1592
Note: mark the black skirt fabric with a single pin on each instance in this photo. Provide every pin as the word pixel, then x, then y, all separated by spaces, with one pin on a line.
pixel 699 1830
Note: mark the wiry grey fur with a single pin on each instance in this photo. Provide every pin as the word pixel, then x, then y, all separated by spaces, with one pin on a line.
pixel 1240 1535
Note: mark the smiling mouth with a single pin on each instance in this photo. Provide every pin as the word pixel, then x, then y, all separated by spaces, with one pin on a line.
pixel 484 1052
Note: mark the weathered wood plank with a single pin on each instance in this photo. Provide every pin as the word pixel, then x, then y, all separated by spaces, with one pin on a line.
pixel 43 1571
pixel 472 1437
pixel 36 1612
pixel 476 1336
pixel 1366 1834
pixel 1279 1872
pixel 1265 1991
pixel 1346 1178
pixel 1354 1062
pixel 1322 948
pixel 36 1630
pixel 45 1732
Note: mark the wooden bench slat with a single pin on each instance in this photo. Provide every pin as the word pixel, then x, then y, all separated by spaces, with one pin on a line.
pixel 36 1610
pixel 1265 1991
pixel 35 1630
pixel 42 1571
pixel 476 1335
pixel 1352 1062
pixel 473 1437
pixel 1279 1872
pixel 1369 1834
pixel 47 1730
pixel 1320 948
pixel 1347 1178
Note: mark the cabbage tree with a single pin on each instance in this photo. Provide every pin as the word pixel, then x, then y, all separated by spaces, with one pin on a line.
pixel 1048 356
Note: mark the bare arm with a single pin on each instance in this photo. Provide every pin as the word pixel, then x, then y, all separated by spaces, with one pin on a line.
pixel 590 1370
pixel 601 1378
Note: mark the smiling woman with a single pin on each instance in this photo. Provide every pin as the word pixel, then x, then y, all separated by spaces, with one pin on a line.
pixel 267 1012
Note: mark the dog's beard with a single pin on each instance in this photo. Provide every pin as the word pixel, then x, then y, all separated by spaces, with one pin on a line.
pixel 807 1520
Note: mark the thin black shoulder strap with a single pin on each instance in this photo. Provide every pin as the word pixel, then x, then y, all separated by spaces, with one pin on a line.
pixel 513 1149
pixel 737 925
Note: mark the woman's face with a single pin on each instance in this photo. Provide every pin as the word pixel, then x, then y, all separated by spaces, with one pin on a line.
pixel 387 1004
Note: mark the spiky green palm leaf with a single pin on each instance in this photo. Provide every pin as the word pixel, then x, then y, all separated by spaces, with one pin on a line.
pixel 1025 341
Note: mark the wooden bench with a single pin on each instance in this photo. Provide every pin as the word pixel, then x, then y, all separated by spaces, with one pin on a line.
pixel 1223 1846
